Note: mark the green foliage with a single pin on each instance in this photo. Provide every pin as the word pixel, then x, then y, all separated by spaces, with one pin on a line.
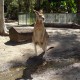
pixel 13 7
pixel 71 6
pixel 68 6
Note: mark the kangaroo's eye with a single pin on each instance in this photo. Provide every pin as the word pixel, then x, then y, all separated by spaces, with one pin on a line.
pixel 43 18
pixel 39 15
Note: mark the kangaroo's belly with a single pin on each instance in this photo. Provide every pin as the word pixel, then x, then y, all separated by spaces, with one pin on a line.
pixel 38 36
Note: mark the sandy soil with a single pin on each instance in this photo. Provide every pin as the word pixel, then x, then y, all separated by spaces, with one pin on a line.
pixel 65 42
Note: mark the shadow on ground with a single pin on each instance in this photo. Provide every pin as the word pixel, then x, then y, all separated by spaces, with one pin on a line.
pixel 68 47
pixel 13 43
pixel 32 65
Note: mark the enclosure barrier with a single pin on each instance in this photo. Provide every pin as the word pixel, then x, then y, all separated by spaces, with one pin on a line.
pixel 26 18
pixel 63 18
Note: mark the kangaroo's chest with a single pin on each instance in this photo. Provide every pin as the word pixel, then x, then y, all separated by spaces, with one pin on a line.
pixel 39 33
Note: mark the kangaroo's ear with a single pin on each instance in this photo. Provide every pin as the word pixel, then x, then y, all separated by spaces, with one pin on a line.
pixel 36 12
pixel 41 11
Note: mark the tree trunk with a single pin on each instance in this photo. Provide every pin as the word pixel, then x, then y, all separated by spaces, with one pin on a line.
pixel 27 4
pixel 38 4
pixel 78 11
pixel 78 5
pixel 3 29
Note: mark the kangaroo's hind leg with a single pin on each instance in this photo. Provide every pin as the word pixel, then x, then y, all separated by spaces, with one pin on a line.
pixel 44 46
pixel 35 47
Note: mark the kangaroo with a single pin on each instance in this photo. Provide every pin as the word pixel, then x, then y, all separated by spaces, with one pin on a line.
pixel 39 33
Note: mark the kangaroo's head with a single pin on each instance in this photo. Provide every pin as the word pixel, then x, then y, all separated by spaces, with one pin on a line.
pixel 39 15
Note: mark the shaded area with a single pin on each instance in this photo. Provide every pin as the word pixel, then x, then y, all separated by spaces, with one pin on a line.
pixel 13 43
pixel 68 46
pixel 59 25
pixel 32 65
pixel 16 64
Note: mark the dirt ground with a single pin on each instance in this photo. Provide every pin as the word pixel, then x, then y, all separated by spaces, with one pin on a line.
pixel 62 61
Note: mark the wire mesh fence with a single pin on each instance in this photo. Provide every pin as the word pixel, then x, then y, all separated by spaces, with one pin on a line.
pixel 62 18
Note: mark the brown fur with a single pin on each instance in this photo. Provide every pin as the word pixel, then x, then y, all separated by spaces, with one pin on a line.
pixel 39 33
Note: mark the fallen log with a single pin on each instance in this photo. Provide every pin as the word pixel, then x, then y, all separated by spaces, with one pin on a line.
pixel 20 34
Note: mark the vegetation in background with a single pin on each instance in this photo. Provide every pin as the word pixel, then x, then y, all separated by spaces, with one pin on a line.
pixel 13 7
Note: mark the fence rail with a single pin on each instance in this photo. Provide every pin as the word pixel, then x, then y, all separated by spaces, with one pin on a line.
pixel 63 18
